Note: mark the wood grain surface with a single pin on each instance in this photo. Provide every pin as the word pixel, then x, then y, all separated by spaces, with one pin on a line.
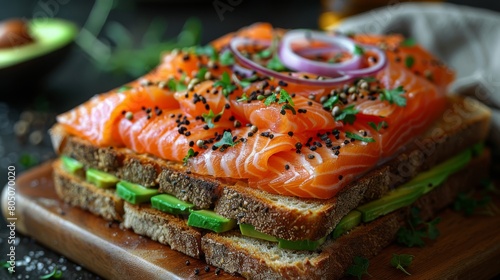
pixel 468 248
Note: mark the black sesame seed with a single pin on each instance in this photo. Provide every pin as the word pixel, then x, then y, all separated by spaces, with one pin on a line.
pixel 196 271
pixel 207 268
pixel 217 271
pixel 227 106
pixel 341 177
pixel 310 156
pixel 188 262
pixel 290 133
pixel 287 166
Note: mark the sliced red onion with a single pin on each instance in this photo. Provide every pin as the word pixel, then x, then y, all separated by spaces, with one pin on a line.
pixel 296 62
pixel 372 70
pixel 248 63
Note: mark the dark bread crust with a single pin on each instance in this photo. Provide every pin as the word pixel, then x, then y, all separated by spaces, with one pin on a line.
pixel 76 192
pixel 165 228
pixel 257 259
pixel 463 124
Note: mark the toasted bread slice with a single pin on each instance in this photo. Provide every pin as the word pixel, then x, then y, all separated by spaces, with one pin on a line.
pixel 259 259
pixel 76 192
pixel 463 124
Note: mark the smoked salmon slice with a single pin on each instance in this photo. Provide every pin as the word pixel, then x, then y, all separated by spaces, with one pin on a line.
pixel 201 108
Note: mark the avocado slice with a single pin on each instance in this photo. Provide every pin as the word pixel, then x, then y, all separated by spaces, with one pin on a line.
pixel 134 193
pixel 351 220
pixel 100 179
pixel 308 245
pixel 437 175
pixel 249 230
pixel 392 201
pixel 210 220
pixel 71 165
pixel 52 40
pixel 170 204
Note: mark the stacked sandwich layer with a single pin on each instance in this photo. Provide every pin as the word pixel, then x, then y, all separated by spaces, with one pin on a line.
pixel 130 155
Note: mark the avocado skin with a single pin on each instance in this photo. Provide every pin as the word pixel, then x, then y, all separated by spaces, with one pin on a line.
pixel 29 74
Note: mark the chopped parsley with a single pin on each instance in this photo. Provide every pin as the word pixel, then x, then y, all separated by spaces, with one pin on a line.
pixel 247 81
pixel 394 96
pixel 54 274
pixel 358 50
pixel 225 82
pixel 409 61
pixel 468 205
pixel 266 53
pixel 330 102
pixel 351 135
pixel 208 51
pixel 275 64
pixel 402 261
pixel 201 73
pixel 226 58
pixel 408 42
pixel 369 79
pixel 284 97
pixel 226 140
pixel 359 267
pixel 176 86
pixel 243 98
pixel 347 115
pixel 413 236
pixel 210 117
pixel 379 126
pixel 189 155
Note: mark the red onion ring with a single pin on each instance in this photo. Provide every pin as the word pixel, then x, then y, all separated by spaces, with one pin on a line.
pixel 298 63
pixel 248 63
pixel 341 73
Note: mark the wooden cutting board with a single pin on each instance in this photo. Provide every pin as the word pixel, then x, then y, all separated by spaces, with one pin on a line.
pixel 468 248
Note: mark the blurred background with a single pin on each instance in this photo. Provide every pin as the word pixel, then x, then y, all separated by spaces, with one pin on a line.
pixel 115 42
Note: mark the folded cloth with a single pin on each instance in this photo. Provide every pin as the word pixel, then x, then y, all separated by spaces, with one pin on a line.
pixel 467 39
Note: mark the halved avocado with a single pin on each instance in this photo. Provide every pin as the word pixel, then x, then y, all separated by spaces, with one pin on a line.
pixel 19 65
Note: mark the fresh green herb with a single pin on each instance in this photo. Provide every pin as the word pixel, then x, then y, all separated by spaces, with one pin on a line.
pixel 409 42
pixel 401 261
pixel 358 50
pixel 468 204
pixel 207 50
pixel 347 115
pixel 351 135
pixel 289 107
pixel 285 98
pixel 124 88
pixel 189 155
pixel 409 61
pixel 264 54
pixel 275 64
pixel 226 58
pixel 394 96
pixel 225 82
pixel 379 126
pixel 413 236
pixel 27 161
pixel 227 139
pixel 359 267
pixel 369 79
pixel 330 102
pixel 243 98
pixel 247 81
pixel 210 117
pixel 270 99
pixel 176 86
pixel 201 73
pixel 54 274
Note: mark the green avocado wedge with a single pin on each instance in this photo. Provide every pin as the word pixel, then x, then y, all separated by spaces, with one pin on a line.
pixel 49 34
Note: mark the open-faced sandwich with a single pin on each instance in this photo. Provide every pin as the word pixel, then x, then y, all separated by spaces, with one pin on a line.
pixel 275 154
